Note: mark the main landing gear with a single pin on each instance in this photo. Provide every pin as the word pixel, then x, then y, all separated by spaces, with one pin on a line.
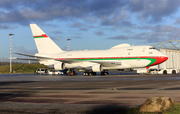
pixel 89 73
pixel 105 72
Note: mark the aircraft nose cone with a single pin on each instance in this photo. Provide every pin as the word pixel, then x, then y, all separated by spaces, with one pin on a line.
pixel 160 60
pixel 164 58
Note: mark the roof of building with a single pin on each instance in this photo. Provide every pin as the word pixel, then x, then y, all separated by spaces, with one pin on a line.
pixel 169 45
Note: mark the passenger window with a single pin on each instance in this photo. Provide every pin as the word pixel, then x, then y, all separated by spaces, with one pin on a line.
pixel 150 52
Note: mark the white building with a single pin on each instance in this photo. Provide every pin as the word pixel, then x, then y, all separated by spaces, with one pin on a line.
pixel 172 50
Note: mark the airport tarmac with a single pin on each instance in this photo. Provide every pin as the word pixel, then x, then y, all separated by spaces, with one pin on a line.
pixel 28 93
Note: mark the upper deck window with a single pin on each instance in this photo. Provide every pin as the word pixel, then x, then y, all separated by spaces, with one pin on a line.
pixel 129 49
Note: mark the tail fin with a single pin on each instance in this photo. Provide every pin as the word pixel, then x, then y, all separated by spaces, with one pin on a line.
pixel 43 43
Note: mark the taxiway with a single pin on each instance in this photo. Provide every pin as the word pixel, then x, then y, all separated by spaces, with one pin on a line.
pixel 79 94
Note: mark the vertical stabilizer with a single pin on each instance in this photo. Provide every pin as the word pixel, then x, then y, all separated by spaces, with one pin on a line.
pixel 44 44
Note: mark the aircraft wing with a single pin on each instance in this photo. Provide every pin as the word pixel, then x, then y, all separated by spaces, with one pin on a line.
pixel 32 59
pixel 33 56
pixel 38 58
pixel 68 61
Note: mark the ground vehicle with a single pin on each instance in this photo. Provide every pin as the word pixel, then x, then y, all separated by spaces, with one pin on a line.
pixel 168 71
pixel 55 72
pixel 71 72
pixel 158 71
pixel 48 71
pixel 154 71
pixel 41 71
pixel 142 71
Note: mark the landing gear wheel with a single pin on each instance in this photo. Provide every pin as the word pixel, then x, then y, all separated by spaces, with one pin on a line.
pixel 173 72
pixel 165 72
pixel 89 73
pixel 104 73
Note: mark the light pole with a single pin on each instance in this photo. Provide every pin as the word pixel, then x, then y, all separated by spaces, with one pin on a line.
pixel 68 43
pixel 10 52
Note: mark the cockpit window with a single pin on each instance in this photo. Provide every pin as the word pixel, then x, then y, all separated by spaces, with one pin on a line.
pixel 152 48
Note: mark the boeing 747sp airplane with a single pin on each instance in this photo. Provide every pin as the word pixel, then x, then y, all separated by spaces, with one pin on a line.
pixel 122 56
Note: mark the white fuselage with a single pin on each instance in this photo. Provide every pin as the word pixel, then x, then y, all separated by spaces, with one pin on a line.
pixel 116 58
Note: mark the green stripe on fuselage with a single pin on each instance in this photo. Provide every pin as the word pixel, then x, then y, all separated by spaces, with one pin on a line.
pixel 39 37
pixel 150 59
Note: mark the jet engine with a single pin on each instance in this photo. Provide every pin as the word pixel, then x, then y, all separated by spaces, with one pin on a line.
pixel 59 66
pixel 97 68
pixel 128 69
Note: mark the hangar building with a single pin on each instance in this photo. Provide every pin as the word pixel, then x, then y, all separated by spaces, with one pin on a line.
pixel 172 50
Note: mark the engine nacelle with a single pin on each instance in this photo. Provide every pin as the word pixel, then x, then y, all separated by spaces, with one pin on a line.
pixel 128 69
pixel 59 66
pixel 97 68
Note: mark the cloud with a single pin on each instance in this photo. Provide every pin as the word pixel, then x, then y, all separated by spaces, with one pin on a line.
pixel 165 29
pixel 99 33
pixel 153 10
pixel 22 49
pixel 28 11
pixel 109 12
pixel 126 24
pixel 7 27
pixel 76 37
pixel 83 29
pixel 77 25
pixel 55 37
pixel 145 27
pixel 115 18
pixel 57 32
pixel 145 37
pixel 177 21
pixel 101 8
pixel 120 37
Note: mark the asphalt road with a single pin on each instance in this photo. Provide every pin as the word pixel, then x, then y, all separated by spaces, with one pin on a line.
pixel 28 93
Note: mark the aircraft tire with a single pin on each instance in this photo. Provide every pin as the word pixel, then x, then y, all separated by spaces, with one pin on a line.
pixel 173 72
pixel 165 72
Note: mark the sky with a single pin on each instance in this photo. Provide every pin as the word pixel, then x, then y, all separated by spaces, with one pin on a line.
pixel 90 24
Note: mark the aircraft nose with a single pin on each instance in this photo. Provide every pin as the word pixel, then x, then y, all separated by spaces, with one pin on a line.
pixel 159 60
pixel 163 58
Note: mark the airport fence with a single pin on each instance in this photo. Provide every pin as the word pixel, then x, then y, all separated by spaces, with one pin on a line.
pixel 5 61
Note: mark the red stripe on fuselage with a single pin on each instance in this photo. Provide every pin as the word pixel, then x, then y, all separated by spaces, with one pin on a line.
pixel 44 35
pixel 159 60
